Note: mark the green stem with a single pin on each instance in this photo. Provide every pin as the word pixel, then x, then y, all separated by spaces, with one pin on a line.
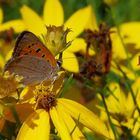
pixel 15 115
pixel 108 114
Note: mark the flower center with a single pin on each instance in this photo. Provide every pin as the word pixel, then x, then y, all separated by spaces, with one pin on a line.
pixel 46 101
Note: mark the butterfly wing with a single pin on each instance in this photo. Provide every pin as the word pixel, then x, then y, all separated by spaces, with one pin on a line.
pixel 33 69
pixel 28 44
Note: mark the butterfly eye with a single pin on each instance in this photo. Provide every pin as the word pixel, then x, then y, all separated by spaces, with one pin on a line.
pixel 59 63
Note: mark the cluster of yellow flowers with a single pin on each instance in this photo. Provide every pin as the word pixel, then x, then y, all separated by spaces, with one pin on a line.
pixel 38 110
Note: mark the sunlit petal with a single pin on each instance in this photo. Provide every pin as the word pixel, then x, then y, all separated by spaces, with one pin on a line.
pixel 53 13
pixel 71 125
pixel 17 25
pixel 59 124
pixel 36 127
pixel 1 15
pixel 86 117
pixel 70 62
pixel 77 22
pixel 33 22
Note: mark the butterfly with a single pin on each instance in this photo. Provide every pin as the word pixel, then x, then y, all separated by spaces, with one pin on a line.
pixel 32 60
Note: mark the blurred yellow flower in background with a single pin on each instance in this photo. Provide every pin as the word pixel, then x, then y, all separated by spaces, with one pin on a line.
pixel 122 108
pixel 53 15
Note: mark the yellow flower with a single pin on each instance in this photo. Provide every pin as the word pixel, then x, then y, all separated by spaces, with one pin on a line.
pixel 63 113
pixel 122 108
pixel 53 15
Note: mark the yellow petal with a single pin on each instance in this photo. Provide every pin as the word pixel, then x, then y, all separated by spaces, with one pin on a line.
pixel 79 45
pixel 33 22
pixel 36 127
pixel 77 22
pixel 117 49
pixel 86 117
pixel 17 25
pixel 59 124
pixel 70 62
pixel 92 22
pixel 71 125
pixel 53 13
pixel 1 15
pixel 115 101
pixel 130 35
pixel 9 54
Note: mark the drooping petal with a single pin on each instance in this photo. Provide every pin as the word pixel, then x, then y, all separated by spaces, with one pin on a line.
pixel 86 117
pixel 77 22
pixel 33 22
pixel 1 15
pixel 71 125
pixel 70 62
pixel 53 13
pixel 36 127
pixel 59 124
pixel 17 25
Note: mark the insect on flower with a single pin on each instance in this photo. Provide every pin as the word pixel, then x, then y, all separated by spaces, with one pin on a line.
pixel 33 60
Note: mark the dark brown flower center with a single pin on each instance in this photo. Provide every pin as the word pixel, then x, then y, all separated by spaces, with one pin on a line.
pixel 47 101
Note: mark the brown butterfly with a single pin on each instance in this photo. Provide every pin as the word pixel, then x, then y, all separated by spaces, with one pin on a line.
pixel 32 60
